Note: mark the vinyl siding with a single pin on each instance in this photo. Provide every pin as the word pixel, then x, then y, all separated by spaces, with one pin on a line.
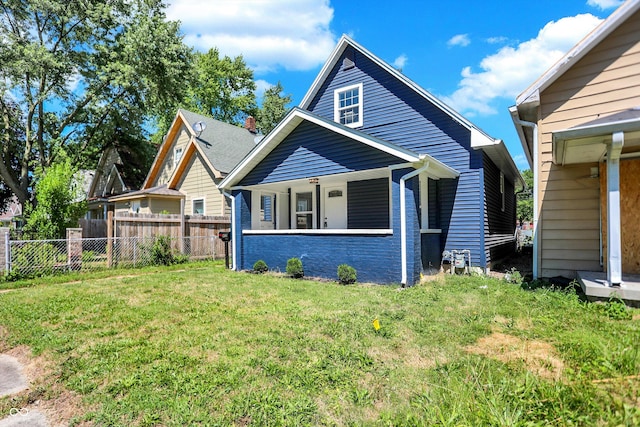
pixel 396 113
pixel 313 151
pixel 499 225
pixel 167 167
pixel 368 204
pixel 605 81
pixel 197 183
pixel 156 206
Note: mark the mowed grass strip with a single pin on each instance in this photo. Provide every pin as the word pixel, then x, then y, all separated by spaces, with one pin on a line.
pixel 200 345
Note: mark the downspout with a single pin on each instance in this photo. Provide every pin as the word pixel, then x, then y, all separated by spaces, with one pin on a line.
pixel 534 128
pixel 403 220
pixel 233 229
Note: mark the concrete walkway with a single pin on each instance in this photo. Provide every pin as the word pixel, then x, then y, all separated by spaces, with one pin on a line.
pixel 12 381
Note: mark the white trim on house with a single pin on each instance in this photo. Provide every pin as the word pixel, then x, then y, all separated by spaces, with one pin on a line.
pixel 337 109
pixel 204 205
pixel 289 123
pixel 349 231
pixel 346 41
pixel 619 16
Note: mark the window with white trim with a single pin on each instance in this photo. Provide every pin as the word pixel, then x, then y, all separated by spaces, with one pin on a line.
pixel 304 210
pixel 177 155
pixel 348 105
pixel 197 206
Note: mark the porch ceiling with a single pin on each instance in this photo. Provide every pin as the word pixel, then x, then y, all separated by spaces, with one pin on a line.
pixel 588 142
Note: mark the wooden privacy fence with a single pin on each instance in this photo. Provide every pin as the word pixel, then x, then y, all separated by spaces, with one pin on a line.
pixel 196 236
pixel 93 228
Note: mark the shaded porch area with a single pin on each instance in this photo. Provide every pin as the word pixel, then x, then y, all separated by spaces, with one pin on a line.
pixel 595 285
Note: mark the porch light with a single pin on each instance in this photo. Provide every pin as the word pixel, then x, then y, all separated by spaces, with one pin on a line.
pixel 313 180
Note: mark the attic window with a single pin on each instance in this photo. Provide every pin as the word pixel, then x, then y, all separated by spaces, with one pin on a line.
pixel 177 155
pixel 348 105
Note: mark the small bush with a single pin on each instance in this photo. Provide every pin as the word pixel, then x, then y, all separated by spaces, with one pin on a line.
pixel 347 274
pixel 161 253
pixel 294 268
pixel 260 267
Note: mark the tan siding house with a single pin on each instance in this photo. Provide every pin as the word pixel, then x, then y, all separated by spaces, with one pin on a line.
pixel 578 120
pixel 197 153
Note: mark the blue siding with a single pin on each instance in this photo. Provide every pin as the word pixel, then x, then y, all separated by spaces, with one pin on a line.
pixel 311 151
pixel 499 226
pixel 396 113
pixel 377 258
pixel 368 203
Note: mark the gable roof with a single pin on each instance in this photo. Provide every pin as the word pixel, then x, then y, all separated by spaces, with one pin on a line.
pixel 493 147
pixel 478 137
pixel 221 144
pixel 619 16
pixel 125 164
pixel 297 116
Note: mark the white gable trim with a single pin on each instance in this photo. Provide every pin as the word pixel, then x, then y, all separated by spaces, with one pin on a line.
pixel 288 124
pixel 347 41
pixel 619 16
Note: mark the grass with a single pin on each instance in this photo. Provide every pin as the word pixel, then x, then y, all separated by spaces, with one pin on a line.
pixel 198 345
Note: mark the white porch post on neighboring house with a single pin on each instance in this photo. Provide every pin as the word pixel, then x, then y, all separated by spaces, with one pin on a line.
pixel 614 237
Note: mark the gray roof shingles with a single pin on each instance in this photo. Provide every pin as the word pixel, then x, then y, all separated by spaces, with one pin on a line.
pixel 224 144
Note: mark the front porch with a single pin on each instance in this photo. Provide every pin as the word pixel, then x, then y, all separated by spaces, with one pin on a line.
pixel 595 285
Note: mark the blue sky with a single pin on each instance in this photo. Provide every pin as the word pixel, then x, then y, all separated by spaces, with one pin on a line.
pixel 477 56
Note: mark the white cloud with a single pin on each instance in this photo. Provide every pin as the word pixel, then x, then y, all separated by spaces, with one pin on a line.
pixel 511 70
pixel 261 87
pixel 293 34
pixel 459 40
pixel 604 4
pixel 400 61
pixel 497 40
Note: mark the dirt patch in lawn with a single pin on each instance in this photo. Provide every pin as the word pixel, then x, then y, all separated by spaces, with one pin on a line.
pixel 538 357
pixel 45 393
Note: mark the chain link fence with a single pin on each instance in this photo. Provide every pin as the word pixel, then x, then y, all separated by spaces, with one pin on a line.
pixel 28 258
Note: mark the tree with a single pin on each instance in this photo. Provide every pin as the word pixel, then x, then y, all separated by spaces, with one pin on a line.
pixel 60 201
pixel 274 108
pixel 525 198
pixel 224 88
pixel 75 72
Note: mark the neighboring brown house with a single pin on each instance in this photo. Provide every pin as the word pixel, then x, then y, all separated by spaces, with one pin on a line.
pixel 579 125
pixel 197 153
pixel 119 171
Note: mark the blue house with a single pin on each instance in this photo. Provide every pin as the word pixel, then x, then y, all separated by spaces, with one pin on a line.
pixel 373 171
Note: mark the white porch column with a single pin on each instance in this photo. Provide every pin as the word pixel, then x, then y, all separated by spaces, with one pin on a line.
pixel 614 237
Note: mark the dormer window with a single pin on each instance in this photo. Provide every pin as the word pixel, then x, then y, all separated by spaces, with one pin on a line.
pixel 348 105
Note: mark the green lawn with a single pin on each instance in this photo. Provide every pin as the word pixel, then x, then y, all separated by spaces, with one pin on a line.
pixel 197 345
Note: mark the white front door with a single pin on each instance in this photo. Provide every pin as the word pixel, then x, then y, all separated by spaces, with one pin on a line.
pixel 335 207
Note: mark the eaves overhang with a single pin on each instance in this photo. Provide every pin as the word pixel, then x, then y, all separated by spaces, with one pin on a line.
pixel 588 143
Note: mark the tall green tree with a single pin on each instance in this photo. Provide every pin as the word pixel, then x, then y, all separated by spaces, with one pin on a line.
pixel 275 105
pixel 524 207
pixel 79 71
pixel 224 88
pixel 60 201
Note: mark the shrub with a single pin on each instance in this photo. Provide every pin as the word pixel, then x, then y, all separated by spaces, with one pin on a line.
pixel 161 253
pixel 260 267
pixel 294 268
pixel 346 274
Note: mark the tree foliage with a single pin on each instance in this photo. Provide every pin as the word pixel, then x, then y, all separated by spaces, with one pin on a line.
pixel 60 201
pixel 274 108
pixel 76 72
pixel 224 88
pixel 525 198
